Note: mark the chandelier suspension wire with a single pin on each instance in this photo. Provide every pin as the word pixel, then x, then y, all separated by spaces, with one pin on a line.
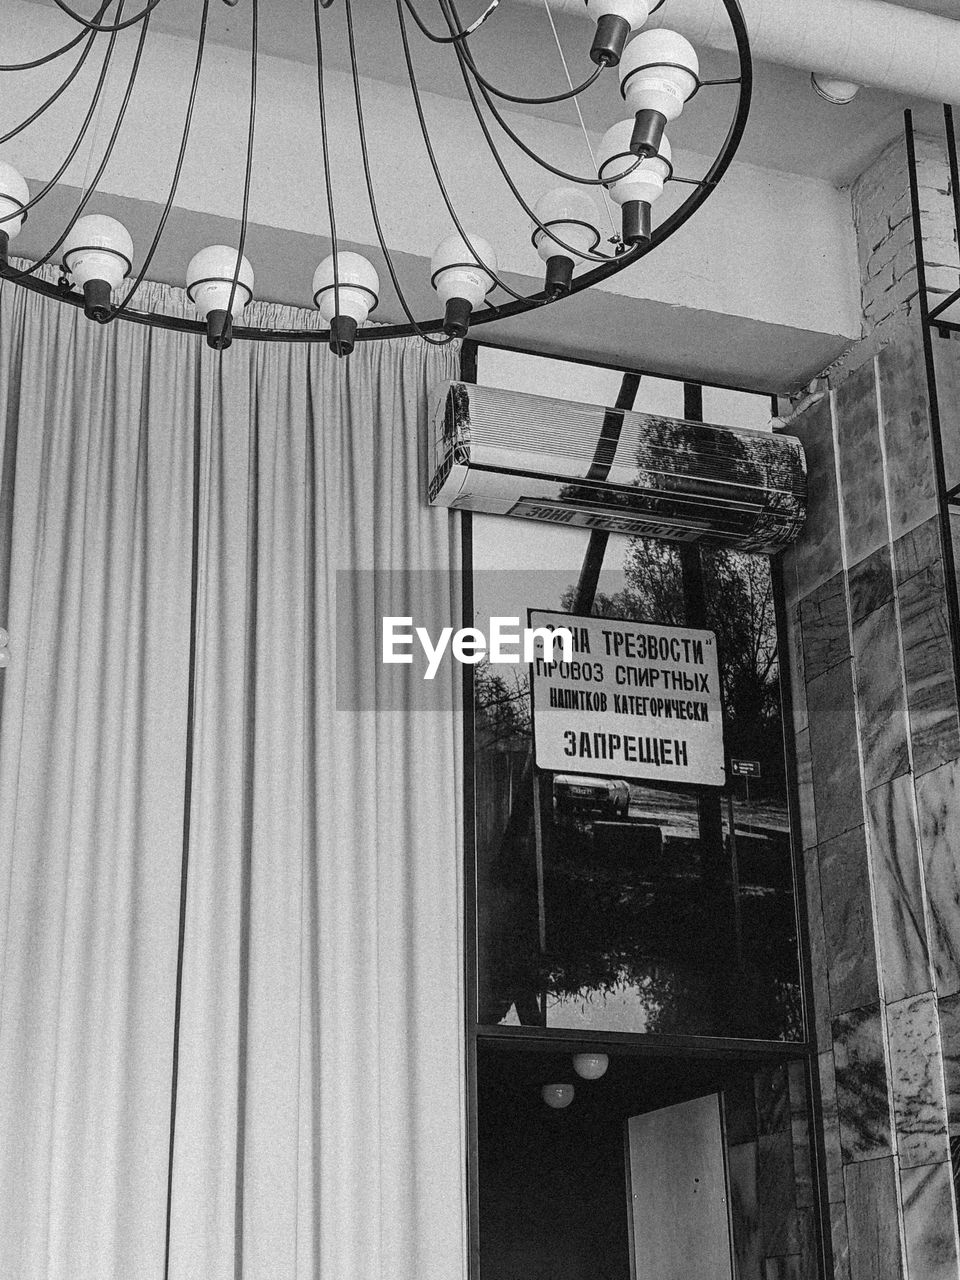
pixel 589 254
pixel 35 200
pixel 428 143
pixel 64 48
pixel 94 25
pixel 141 275
pixel 371 192
pixel 248 164
pixel 61 88
pixel 630 166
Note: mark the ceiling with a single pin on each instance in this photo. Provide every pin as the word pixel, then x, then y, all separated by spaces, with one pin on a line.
pixel 790 129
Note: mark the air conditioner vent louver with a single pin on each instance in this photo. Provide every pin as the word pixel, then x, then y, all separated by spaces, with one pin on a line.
pixel 506 453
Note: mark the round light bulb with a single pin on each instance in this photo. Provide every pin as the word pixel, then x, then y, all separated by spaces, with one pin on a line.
pixel 209 281
pixel 615 20
pixel 461 282
pixel 97 255
pixel 557 1095
pixel 640 185
pixel 590 1066
pixel 572 217
pixel 14 194
pixel 837 92
pixel 658 73
pixel 346 300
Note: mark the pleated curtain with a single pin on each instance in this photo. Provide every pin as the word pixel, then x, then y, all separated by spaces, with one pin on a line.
pixel 230 933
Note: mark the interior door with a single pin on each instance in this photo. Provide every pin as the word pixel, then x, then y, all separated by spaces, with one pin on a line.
pixel 677 1193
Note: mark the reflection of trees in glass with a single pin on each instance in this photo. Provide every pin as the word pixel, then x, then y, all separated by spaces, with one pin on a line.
pixel 502 705
pixel 739 595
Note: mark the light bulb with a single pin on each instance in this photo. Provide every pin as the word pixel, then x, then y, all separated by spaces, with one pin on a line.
pixel 97 255
pixel 615 20
pixel 572 216
pixel 358 287
pixel 557 1095
pixel 837 92
pixel 658 73
pixel 590 1066
pixel 14 194
pixel 461 282
pixel 637 190
pixel 209 280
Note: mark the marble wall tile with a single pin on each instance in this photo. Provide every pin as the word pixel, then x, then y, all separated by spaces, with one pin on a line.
pixel 817 554
pixel 949 1009
pixel 817 951
pixel 946 363
pixel 873 1221
pixel 916 1081
pixel 870 583
pixel 808 813
pixel 745 1210
pixel 809 1251
pixel 776 1195
pixel 833 748
pixel 860 463
pixel 938 806
pixel 898 898
pixel 824 627
pixel 929 1222
pixel 788 566
pixel 771 1090
pixel 880 696
pixel 787 1268
pixel 848 921
pixel 928 667
pixel 798 689
pixel 840 1240
pixel 916 550
pixel 863 1104
pixel 800 1134
pixel 906 431
pixel 831 1125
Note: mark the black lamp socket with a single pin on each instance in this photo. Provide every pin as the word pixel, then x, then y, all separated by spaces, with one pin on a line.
pixel 97 301
pixel 637 222
pixel 219 329
pixel 559 275
pixel 343 334
pixel 607 47
pixel 648 133
pixel 456 317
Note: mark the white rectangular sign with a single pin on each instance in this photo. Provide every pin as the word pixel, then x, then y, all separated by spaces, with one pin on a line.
pixel 637 701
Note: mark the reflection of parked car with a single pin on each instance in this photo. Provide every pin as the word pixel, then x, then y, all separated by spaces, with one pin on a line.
pixel 607 796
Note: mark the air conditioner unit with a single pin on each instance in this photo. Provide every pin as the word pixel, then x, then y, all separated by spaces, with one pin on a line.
pixel 584 466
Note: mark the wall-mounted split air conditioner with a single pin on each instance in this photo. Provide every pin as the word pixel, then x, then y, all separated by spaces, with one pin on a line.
pixel 581 465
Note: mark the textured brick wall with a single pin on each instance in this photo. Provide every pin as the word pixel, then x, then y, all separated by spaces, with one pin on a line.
pixel 884 226
pixel 878 741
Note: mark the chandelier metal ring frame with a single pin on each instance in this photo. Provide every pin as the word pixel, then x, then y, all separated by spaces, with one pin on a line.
pixel 601 265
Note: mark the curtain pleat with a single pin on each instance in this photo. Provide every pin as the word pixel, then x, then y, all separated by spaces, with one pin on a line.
pixel 318 1125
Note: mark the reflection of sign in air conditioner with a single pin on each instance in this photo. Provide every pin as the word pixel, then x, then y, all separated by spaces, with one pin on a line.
pixel 585 466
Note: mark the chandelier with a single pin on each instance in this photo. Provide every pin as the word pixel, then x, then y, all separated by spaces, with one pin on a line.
pixel 658 72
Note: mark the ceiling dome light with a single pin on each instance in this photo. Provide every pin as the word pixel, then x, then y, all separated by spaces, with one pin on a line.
pixel 572 216
pixel 97 257
pixel 14 194
pixel 590 1066
pixel 658 73
pixel 358 286
pixel 837 92
pixel 615 20
pixel 209 282
pixel 639 188
pixel 460 280
pixel 557 1096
